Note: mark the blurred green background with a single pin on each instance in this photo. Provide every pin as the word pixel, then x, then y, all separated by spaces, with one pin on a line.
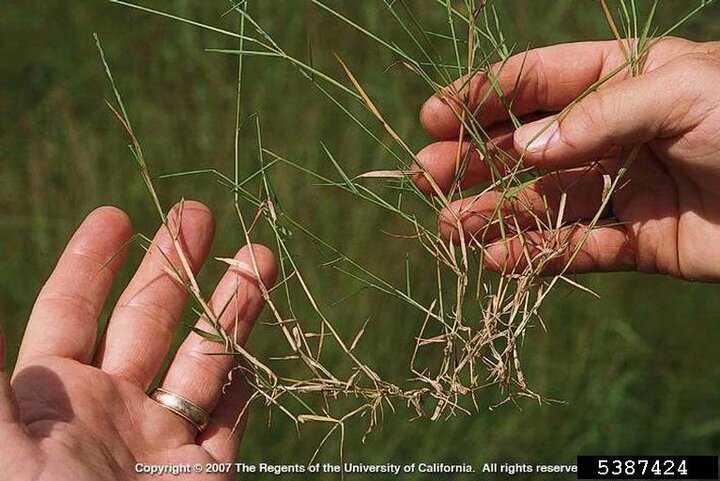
pixel 639 368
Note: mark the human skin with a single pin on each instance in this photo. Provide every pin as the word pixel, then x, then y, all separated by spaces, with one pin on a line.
pixel 73 413
pixel 666 210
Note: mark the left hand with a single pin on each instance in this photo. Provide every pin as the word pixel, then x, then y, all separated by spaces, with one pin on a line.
pixel 71 413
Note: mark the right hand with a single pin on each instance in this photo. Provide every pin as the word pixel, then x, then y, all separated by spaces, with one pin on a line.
pixel 667 208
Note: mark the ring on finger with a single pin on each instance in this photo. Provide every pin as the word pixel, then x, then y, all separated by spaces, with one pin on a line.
pixel 183 407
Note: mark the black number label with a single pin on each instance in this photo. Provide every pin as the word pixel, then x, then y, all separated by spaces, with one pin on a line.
pixel 647 467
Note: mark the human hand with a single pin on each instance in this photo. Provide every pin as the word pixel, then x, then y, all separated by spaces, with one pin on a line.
pixel 74 414
pixel 667 208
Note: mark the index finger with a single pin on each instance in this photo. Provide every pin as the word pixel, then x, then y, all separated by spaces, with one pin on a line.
pixel 64 318
pixel 543 79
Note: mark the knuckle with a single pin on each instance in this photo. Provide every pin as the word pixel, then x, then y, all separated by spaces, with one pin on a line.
pixel 692 79
pixel 587 117
pixel 215 368
pixel 162 317
pixel 68 303
pixel 540 88
pixel 691 67
pixel 707 62
pixel 676 43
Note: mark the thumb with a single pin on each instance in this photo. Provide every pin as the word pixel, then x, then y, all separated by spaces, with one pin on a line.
pixel 631 112
pixel 8 407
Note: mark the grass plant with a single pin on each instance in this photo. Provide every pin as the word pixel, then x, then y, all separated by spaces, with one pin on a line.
pixel 470 335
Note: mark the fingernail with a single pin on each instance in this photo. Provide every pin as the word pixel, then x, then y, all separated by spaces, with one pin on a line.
pixel 537 136
pixel 432 103
pixel 239 265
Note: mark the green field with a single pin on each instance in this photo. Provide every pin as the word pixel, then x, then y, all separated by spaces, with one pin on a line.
pixel 638 369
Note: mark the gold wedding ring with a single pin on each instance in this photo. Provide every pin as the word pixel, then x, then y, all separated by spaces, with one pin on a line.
pixel 184 408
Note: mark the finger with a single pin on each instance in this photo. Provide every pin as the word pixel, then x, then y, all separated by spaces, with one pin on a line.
pixel 605 248
pixel 448 162
pixel 227 424
pixel 142 324
pixel 63 321
pixel 565 196
pixel 544 79
pixel 453 164
pixel 659 104
pixel 238 300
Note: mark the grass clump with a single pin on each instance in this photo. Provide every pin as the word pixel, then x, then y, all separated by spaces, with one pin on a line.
pixel 470 335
